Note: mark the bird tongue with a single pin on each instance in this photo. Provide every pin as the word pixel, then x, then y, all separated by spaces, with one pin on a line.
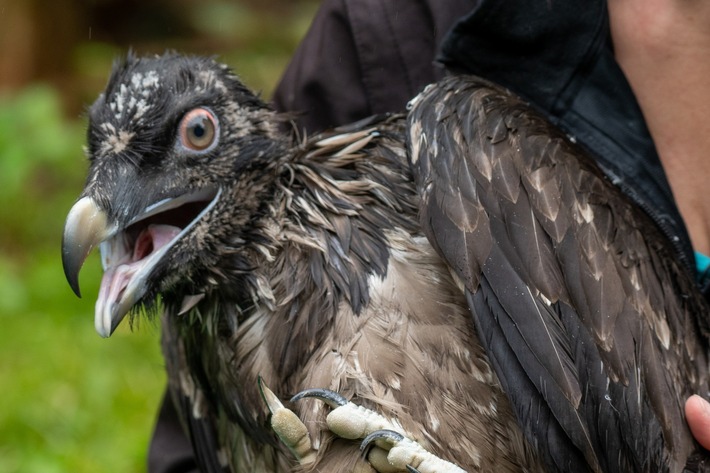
pixel 152 238
pixel 125 262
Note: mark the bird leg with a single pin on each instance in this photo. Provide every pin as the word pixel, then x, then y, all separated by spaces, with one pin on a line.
pixel 396 452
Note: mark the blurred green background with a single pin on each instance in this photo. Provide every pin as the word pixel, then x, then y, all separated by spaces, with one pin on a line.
pixel 71 401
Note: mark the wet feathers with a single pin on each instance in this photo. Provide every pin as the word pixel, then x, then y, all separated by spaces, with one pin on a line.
pixel 464 269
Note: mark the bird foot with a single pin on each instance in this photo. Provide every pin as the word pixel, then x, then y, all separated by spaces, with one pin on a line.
pixel 385 445
pixel 405 454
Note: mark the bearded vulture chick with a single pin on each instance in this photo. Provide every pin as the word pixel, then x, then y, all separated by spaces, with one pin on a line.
pixel 464 272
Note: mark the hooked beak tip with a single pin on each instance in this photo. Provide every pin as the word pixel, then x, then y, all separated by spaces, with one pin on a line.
pixel 71 272
pixel 86 226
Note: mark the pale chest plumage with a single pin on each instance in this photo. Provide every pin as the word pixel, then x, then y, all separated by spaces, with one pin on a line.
pixel 410 354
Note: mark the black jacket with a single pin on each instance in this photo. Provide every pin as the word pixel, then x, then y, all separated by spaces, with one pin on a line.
pixel 363 57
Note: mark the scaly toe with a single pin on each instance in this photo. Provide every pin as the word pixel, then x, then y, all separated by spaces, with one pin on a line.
pixel 406 454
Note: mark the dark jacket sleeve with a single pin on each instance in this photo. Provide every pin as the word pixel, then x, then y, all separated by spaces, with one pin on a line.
pixel 364 57
pixel 170 450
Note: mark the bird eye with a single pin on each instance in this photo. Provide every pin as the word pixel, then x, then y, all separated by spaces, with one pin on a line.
pixel 198 129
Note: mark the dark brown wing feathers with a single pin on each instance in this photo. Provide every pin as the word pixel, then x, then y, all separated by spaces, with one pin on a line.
pixel 577 297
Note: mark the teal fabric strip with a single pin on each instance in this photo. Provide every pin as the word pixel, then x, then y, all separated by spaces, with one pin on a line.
pixel 702 262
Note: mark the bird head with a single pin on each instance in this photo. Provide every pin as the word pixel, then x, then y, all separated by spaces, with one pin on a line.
pixel 172 142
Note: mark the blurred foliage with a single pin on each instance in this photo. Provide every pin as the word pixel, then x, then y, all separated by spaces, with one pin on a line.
pixel 73 402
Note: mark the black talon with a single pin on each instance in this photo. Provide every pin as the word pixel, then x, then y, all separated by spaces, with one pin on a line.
pixel 331 398
pixel 387 434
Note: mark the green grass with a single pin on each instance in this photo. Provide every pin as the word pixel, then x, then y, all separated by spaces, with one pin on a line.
pixel 76 402
pixel 72 402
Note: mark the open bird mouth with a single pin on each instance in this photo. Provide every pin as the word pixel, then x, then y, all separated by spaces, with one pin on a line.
pixel 128 254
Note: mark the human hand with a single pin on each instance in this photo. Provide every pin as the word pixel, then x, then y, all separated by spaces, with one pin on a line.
pixel 697 412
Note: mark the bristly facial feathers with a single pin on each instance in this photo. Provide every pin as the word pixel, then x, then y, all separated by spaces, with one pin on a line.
pixel 378 260
pixel 150 181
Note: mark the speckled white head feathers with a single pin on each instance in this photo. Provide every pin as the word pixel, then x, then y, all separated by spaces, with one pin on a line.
pixel 166 138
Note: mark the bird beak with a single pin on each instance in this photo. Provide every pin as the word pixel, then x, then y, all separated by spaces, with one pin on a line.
pixel 86 226
pixel 127 260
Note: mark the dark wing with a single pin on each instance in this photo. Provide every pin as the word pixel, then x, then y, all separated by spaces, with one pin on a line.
pixel 590 324
pixel 188 397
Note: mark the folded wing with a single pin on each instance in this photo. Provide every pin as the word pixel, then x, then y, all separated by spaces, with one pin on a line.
pixel 589 321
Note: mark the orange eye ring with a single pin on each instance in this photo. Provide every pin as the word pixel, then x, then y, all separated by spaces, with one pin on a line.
pixel 198 130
